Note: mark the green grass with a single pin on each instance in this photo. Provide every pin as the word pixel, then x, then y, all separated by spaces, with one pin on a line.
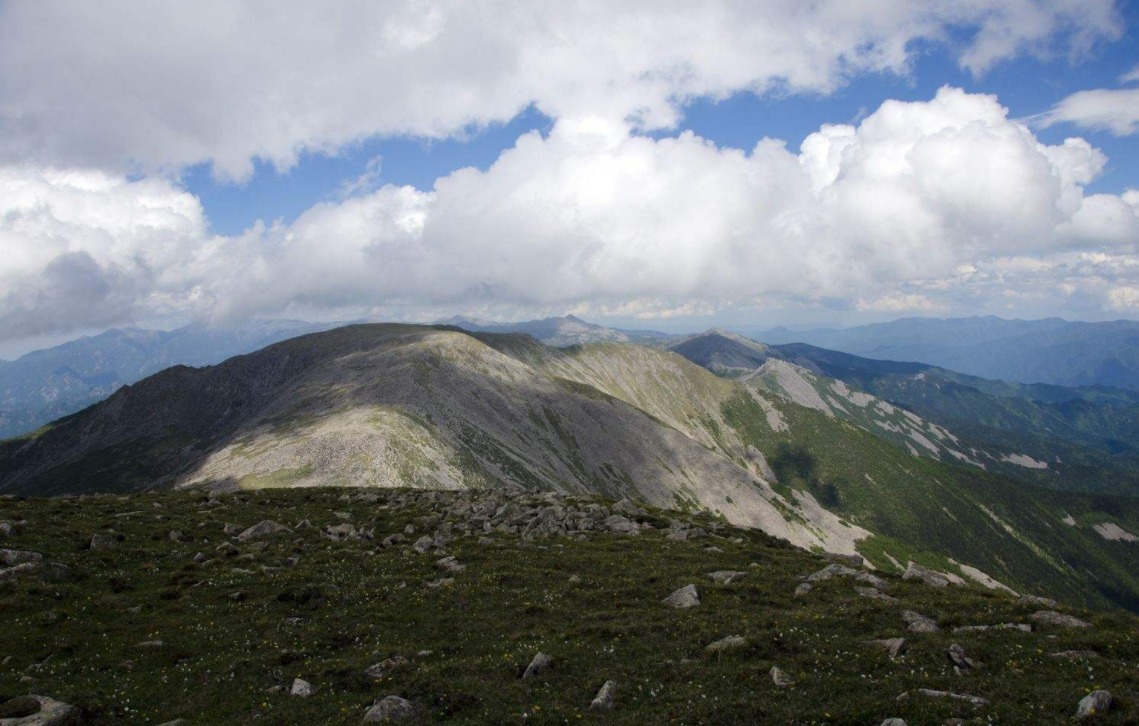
pixel 359 604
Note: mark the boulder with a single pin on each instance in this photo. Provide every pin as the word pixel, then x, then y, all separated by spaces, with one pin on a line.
pixel 930 577
pixel 1093 703
pixel 390 709
pixel 685 597
pixel 101 541
pixel 538 665
pixel 605 697
pixel 962 664
pixel 894 646
pixel 918 623
pixel 780 678
pixel 301 688
pixel 19 557
pixel 33 710
pixel 726 577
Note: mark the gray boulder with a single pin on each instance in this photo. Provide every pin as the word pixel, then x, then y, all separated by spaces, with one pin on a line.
pixel 301 688
pixel 780 678
pixel 33 710
pixel 605 697
pixel 1093 703
pixel 894 646
pixel 538 665
pixel 19 557
pixel 918 623
pixel 390 709
pixel 930 577
pixel 726 577
pixel 685 597
pixel 101 541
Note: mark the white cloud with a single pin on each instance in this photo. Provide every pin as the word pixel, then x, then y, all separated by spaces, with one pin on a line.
pixel 132 84
pixel 944 204
pixel 1131 76
pixel 1103 109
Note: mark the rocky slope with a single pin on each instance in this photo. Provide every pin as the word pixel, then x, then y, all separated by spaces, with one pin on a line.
pixel 321 606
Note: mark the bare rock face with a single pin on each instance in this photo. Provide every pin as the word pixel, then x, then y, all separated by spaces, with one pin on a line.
pixel 33 710
pixel 685 597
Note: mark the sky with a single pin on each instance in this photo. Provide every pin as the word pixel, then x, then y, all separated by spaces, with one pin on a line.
pixel 650 164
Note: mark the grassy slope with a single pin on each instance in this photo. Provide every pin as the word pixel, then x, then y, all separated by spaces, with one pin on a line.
pixel 515 598
pixel 927 507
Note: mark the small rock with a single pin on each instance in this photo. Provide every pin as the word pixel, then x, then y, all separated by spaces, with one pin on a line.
pixel 175 535
pixel 1060 620
pixel 685 597
pixel 605 696
pixel 918 623
pixel 1044 602
pixel 263 528
pixel 574 579
pixel 780 678
pixel 726 577
pixel 930 693
pixel 896 647
pixel 423 544
pixel 390 708
pixel 1074 654
pixel 732 642
pixel 450 564
pixel 441 582
pixel 874 594
pixel 962 664
pixel 231 529
pixel 540 663
pixel 1093 703
pixel 301 688
pixel 101 541
pixel 848 560
pixel 803 589
pixel 893 722
pixel 384 668
pixel 199 558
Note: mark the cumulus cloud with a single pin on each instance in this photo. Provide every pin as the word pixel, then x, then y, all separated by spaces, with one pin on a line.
pixel 127 85
pixel 922 206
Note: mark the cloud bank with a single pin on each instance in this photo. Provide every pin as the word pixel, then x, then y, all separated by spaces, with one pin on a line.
pixel 920 207
pixel 136 85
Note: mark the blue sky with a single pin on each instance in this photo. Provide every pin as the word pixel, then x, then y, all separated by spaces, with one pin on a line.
pixel 1026 85
pixel 223 160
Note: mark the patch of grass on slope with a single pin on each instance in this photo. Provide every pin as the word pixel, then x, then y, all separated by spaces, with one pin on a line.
pixel 231 631
pixel 1011 531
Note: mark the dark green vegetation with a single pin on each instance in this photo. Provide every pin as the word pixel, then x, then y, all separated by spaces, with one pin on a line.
pixel 230 631
pixel 926 510
pixel 1088 436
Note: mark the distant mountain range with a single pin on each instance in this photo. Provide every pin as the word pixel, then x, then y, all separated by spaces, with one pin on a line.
pixel 1064 438
pixel 1049 351
pixel 568 330
pixel 780 446
pixel 46 384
